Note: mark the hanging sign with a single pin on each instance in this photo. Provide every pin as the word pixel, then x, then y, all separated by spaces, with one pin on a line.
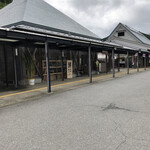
pixel 105 52
pixel 144 55
pixel 101 56
pixel 69 69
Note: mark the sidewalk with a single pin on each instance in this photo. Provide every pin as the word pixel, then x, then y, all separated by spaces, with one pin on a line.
pixel 40 90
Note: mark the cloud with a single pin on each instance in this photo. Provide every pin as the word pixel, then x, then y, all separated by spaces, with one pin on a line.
pixel 101 16
pixel 92 4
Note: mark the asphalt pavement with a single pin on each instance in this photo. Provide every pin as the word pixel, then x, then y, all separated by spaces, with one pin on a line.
pixel 112 115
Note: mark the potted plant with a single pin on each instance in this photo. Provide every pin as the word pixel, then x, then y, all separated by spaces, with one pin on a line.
pixel 30 68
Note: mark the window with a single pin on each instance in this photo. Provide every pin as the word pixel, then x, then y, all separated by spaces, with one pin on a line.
pixel 121 33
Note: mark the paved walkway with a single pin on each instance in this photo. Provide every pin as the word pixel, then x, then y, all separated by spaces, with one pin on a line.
pixel 40 90
pixel 111 115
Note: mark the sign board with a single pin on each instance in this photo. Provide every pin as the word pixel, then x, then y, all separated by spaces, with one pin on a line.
pixel 69 69
pixel 144 55
pixel 101 56
pixel 136 55
pixel 105 52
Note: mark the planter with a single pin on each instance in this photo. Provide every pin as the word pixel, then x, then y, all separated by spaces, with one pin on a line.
pixel 31 81
pixel 38 80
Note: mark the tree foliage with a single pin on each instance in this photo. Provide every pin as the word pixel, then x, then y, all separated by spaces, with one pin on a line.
pixel 3 3
pixel 147 35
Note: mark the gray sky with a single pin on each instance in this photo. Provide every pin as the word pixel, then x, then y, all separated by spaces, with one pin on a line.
pixel 102 16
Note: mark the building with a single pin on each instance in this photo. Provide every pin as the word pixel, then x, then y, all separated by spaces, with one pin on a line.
pixel 38 41
pixel 129 37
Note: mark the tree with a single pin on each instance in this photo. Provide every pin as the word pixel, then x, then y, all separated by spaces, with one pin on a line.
pixel 147 35
pixel 3 3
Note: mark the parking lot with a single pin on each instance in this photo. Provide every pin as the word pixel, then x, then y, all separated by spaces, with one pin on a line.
pixel 103 116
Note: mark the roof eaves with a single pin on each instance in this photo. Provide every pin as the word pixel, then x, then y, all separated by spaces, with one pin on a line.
pixel 87 41
pixel 38 28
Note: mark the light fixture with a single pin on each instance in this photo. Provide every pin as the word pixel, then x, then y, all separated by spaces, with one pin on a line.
pixel 39 43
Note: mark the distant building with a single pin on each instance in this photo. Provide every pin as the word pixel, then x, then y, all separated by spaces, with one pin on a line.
pixel 127 36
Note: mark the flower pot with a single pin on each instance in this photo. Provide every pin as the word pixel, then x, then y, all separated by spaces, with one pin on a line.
pixel 31 81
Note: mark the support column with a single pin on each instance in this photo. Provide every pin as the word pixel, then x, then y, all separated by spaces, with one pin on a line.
pixel 127 62
pixel 15 54
pixel 106 63
pixel 90 67
pixel 48 67
pixel 137 62
pixel 41 65
pixel 5 59
pixel 145 63
pixel 62 64
pixel 113 64
pixel 118 62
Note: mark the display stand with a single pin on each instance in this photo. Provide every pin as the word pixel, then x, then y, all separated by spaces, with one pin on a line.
pixel 55 69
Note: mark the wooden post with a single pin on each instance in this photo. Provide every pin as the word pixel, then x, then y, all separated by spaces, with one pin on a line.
pixel 118 62
pixel 62 64
pixel 127 62
pixel 145 63
pixel 15 54
pixel 48 67
pixel 6 67
pixel 113 64
pixel 137 62
pixel 106 63
pixel 90 67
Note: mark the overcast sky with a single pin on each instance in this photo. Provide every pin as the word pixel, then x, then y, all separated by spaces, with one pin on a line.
pixel 102 16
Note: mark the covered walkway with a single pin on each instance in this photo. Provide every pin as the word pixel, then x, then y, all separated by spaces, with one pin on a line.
pixel 87 46
pixel 32 46
pixel 10 97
